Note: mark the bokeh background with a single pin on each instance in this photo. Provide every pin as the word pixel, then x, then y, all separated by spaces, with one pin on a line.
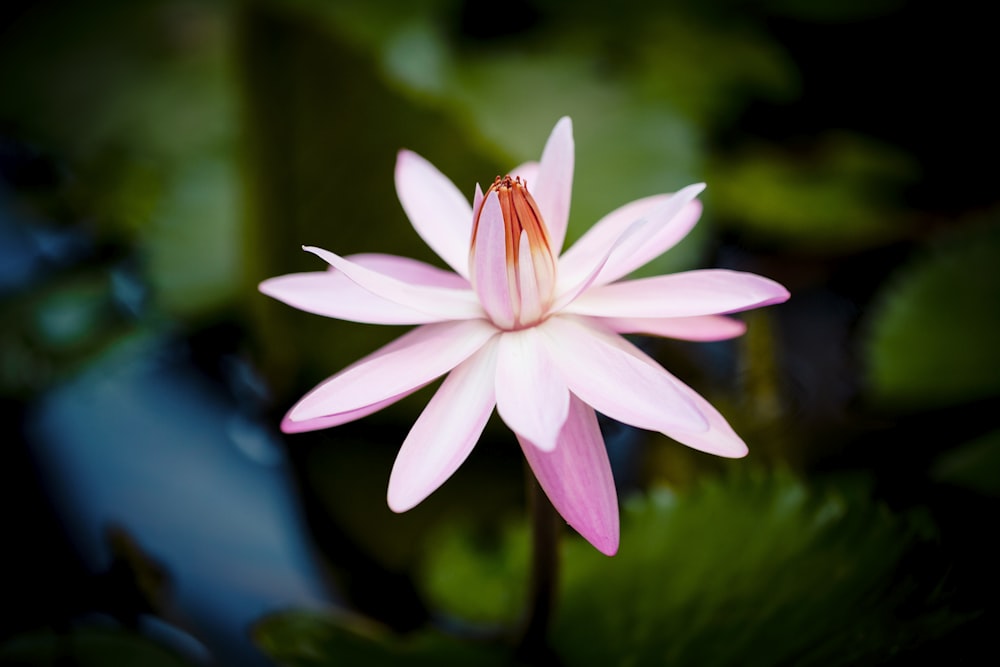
pixel 158 159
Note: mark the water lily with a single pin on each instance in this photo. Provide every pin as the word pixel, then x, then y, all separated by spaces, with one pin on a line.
pixel 519 327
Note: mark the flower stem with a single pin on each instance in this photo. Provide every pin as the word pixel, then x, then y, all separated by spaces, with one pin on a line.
pixel 533 645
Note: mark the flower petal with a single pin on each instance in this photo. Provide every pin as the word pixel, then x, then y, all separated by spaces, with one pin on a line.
pixel 490 274
pixel 554 184
pixel 532 397
pixel 576 476
pixel 705 292
pixel 436 209
pixel 666 220
pixel 332 294
pixel 701 328
pixel 438 302
pixel 720 439
pixel 409 362
pixel 446 430
pixel 527 172
pixel 599 367
pixel 289 426
pixel 409 270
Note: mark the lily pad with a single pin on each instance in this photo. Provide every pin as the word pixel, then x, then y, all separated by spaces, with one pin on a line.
pixel 933 333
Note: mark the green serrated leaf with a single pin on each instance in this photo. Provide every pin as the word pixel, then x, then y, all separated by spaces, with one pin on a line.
pixel 933 334
pixel 751 570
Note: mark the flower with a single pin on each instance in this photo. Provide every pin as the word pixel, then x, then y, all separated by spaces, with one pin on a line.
pixel 519 327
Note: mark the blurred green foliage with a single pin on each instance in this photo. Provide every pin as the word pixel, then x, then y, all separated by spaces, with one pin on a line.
pixel 933 333
pixel 208 141
pixel 87 647
pixel 304 639
pixel 753 569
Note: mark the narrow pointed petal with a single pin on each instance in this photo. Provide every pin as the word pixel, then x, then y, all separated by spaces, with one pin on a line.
pixel 409 362
pixel 719 439
pixel 623 246
pixel 554 183
pixel 289 426
pixel 703 328
pixel 446 431
pixel 598 366
pixel 666 220
pixel 436 209
pixel 438 302
pixel 532 397
pixel 410 270
pixel 490 258
pixel 576 477
pixel 706 292
pixel 332 294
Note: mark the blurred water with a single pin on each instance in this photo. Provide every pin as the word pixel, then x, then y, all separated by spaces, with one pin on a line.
pixel 142 444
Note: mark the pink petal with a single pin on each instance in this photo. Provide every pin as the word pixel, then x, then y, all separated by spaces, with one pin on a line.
pixel 554 183
pixel 576 476
pixel 701 328
pixel 706 292
pixel 490 275
pixel 436 209
pixel 665 220
pixel 720 439
pixel 532 397
pixel 445 432
pixel 624 245
pixel 332 294
pixel 598 366
pixel 528 173
pixel 409 270
pixel 439 303
pixel 409 362
pixel 289 426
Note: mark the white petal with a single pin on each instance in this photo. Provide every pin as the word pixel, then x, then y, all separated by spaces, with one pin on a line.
pixel 719 439
pixel 554 183
pixel 658 224
pixel 599 368
pixel 409 362
pixel 436 208
pixel 438 302
pixel 532 397
pixel 705 292
pixel 702 328
pixel 445 432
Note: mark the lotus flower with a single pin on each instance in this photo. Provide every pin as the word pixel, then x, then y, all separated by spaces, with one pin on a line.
pixel 519 327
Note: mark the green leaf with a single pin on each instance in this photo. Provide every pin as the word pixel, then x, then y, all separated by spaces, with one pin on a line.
pixel 831 195
pixel 479 576
pixel 933 332
pixel 86 647
pixel 974 465
pixel 751 570
pixel 314 639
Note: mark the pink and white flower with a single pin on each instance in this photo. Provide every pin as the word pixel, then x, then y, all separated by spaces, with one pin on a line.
pixel 519 327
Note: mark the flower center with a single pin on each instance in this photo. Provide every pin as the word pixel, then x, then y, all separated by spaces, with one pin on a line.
pixel 520 263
